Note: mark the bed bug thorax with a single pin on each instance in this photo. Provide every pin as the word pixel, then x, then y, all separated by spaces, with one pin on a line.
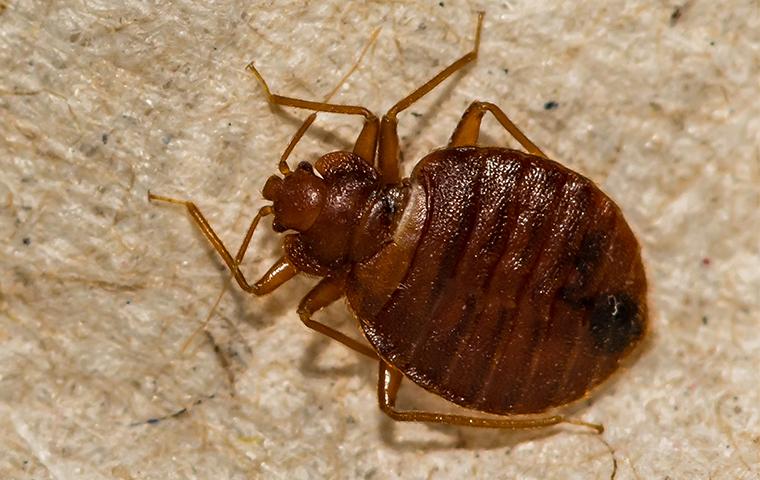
pixel 338 207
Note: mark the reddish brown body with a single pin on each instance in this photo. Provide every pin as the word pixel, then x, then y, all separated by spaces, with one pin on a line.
pixel 499 280
pixel 514 285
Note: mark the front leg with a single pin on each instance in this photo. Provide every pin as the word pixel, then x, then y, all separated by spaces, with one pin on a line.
pixel 279 273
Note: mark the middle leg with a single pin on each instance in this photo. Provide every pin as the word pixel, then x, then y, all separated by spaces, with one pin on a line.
pixel 389 158
pixel 468 129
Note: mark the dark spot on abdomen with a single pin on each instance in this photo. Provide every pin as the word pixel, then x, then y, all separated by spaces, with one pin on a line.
pixel 590 252
pixel 615 322
pixel 585 261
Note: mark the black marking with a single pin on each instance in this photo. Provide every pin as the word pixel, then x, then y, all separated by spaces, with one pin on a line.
pixel 590 252
pixel 615 322
pixel 586 261
pixel 178 413
pixel 551 105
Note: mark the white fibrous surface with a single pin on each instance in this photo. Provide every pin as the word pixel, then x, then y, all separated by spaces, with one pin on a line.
pixel 103 295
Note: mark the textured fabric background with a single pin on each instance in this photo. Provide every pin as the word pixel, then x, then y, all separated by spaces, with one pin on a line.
pixel 100 291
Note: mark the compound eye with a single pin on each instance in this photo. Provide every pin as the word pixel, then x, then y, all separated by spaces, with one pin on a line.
pixel 305 166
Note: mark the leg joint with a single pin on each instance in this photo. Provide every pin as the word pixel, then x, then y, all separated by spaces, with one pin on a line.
pixel 392 412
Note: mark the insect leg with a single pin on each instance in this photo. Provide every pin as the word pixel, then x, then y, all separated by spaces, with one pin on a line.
pixel 279 273
pixel 365 144
pixel 468 129
pixel 283 165
pixel 389 381
pixel 327 291
pixel 389 158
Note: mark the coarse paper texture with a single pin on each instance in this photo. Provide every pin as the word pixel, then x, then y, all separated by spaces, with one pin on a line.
pixel 101 292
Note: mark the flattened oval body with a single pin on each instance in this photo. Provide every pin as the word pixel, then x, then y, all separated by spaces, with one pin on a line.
pixel 512 284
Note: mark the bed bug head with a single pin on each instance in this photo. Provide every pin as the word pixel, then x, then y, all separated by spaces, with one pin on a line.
pixel 297 199
pixel 338 208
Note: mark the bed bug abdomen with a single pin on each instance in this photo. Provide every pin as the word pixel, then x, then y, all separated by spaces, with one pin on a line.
pixel 521 289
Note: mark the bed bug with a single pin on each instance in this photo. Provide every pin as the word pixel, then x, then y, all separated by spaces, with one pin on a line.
pixel 497 279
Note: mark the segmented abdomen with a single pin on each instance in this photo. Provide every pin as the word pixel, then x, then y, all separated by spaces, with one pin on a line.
pixel 523 290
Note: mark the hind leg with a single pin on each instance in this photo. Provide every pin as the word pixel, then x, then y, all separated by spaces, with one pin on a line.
pixel 389 381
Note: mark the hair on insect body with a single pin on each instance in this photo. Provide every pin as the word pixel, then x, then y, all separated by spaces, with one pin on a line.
pixel 497 279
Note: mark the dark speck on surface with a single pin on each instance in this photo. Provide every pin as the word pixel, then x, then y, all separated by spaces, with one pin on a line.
pixel 506 70
pixel 551 105
pixel 104 138
pixel 676 15
pixel 704 319
pixel 26 241
pixel 417 115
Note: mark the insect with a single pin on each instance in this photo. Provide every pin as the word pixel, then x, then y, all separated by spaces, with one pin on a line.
pixel 499 280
